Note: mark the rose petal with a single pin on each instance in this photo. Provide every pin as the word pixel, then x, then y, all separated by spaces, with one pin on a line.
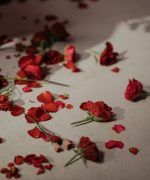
pixel 118 128
pixel 69 106
pixel 114 144
pixel 26 89
pixel 45 97
pixel 51 107
pixel 19 160
pixel 133 150
pixel 35 132
pixel 115 70
pixel 17 110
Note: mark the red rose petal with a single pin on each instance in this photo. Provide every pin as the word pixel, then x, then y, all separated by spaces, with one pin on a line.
pixel 19 160
pixel 34 84
pixel 26 89
pixel 29 158
pixel 118 128
pixel 115 70
pixel 45 97
pixel 69 106
pixel 114 144
pixel 40 171
pixel 133 150
pixel 63 96
pixel 50 107
pixel 35 132
pixel 61 104
pixel 48 166
pixel 17 110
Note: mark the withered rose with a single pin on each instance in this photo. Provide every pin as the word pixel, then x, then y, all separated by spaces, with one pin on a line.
pixel 108 56
pixel 133 90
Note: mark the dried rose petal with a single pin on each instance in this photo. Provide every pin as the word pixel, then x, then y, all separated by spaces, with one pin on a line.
pixel 57 148
pixel 64 96
pixel 67 144
pixel 133 150
pixel 69 106
pixel 45 97
pixel 35 132
pixel 19 160
pixel 61 104
pixel 26 89
pixel 114 144
pixel 51 107
pixel 17 110
pixel 40 171
pixel 48 166
pixel 118 128
pixel 115 70
pixel 37 114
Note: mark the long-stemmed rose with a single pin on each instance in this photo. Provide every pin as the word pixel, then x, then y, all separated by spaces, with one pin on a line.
pixel 85 150
pixel 97 111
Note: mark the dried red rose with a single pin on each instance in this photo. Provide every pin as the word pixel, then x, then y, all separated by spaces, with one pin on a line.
pixel 91 151
pixel 133 90
pixel 98 109
pixel 133 150
pixel 114 144
pixel 108 56
pixel 86 149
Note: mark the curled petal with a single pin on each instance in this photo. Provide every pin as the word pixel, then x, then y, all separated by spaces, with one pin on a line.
pixel 114 144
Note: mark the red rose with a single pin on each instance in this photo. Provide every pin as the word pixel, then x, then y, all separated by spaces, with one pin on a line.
pixel 84 142
pixel 59 32
pixel 53 57
pixel 39 37
pixel 108 57
pixel 91 151
pixel 133 90
pixel 98 109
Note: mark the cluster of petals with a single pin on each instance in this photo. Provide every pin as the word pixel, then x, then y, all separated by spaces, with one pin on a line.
pixel 98 109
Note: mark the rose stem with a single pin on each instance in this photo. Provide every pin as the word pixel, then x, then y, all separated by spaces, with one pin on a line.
pixel 26 79
pixel 78 154
pixel 84 123
pixel 74 161
pixel 81 120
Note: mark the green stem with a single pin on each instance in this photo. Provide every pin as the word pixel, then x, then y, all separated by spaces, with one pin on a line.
pixel 26 79
pixel 84 123
pixel 73 161
pixel 81 120
pixel 78 154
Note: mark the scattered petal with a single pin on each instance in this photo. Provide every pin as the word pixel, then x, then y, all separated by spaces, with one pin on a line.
pixel 133 150
pixel 114 144
pixel 118 128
